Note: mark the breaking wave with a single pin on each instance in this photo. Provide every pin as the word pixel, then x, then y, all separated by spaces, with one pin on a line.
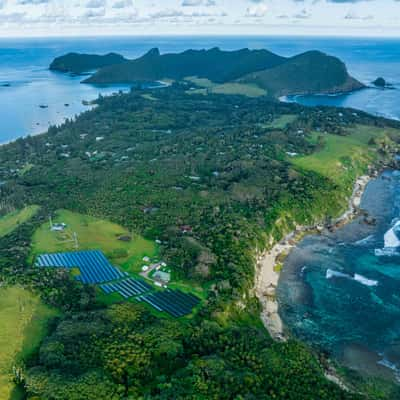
pixel 391 238
pixel 330 273
pixel 365 281
pixel 366 241
pixel 392 242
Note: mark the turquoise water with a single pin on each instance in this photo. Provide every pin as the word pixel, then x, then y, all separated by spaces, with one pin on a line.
pixel 341 291
pixel 26 83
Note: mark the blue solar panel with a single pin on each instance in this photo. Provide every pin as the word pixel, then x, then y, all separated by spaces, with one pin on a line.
pixel 127 287
pixel 174 302
pixel 93 265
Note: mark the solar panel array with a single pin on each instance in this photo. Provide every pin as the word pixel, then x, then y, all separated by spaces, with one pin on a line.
pixel 127 288
pixel 174 302
pixel 93 265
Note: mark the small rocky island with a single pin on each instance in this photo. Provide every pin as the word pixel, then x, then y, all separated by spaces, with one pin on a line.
pixel 381 83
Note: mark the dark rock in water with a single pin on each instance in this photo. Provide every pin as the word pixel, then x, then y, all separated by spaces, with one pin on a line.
pixel 66 105
pixel 380 82
pixel 43 106
pixel 370 220
pixel 6 85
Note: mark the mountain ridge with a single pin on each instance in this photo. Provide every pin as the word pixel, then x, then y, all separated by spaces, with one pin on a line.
pixel 312 72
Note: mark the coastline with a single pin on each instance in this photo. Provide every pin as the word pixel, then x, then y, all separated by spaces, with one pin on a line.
pixel 267 263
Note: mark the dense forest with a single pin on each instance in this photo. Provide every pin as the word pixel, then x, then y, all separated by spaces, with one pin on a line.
pixel 154 161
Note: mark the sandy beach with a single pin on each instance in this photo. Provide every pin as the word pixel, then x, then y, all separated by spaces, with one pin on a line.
pixel 267 273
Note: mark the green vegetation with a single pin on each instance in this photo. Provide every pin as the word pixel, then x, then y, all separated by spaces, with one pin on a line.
pixel 120 245
pixel 247 72
pixel 11 221
pixel 210 179
pixel 79 63
pixel 281 122
pixel 232 88
pixel 342 158
pixel 311 72
pixel 214 64
pixel 23 325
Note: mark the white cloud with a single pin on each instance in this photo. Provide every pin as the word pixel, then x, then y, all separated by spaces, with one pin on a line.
pixel 258 10
pixel 354 17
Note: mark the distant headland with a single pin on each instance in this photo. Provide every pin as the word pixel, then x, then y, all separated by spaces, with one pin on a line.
pixel 312 72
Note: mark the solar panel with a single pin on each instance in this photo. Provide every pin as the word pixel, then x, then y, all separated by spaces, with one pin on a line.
pixel 93 265
pixel 127 288
pixel 174 302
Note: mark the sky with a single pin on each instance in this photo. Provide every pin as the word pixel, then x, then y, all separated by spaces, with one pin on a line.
pixel 191 17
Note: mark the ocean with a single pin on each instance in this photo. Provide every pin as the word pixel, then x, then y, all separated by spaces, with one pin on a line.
pixel 26 83
pixel 340 291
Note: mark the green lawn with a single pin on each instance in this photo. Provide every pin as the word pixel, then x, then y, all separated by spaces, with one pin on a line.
pixel 12 220
pixel 230 88
pixel 23 321
pixel 94 234
pixel 341 158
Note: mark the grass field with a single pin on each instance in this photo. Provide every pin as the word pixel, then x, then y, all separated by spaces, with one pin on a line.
pixel 341 158
pixel 23 320
pixel 12 220
pixel 231 88
pixel 281 122
pixel 94 234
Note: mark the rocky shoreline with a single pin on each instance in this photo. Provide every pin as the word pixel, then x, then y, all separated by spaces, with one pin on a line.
pixel 267 263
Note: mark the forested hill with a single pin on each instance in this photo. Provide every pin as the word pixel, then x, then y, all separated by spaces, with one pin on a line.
pixel 234 172
pixel 78 63
pixel 311 72
pixel 214 64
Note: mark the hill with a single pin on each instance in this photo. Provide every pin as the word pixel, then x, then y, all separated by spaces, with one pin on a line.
pixel 308 73
pixel 214 64
pixel 77 63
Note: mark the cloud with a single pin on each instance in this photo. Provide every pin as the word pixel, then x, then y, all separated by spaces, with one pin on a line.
pixel 96 3
pixel 200 16
pixel 257 11
pixel 196 3
pixel 122 4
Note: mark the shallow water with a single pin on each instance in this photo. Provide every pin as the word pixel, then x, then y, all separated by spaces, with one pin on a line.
pixel 340 294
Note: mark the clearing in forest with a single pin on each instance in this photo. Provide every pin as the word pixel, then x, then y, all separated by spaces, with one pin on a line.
pixel 23 321
pixel 342 158
pixel 121 247
pixel 11 221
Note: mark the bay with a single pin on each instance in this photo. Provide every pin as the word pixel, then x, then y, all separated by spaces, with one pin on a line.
pixel 26 83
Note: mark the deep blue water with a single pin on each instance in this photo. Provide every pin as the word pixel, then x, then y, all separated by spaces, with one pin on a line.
pixel 24 65
pixel 340 291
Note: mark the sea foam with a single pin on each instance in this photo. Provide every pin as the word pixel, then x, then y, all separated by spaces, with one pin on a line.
pixel 365 241
pixel 330 273
pixel 391 238
pixel 365 281
pixel 392 242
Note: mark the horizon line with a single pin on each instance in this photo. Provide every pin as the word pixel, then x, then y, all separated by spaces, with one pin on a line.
pixel 205 35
